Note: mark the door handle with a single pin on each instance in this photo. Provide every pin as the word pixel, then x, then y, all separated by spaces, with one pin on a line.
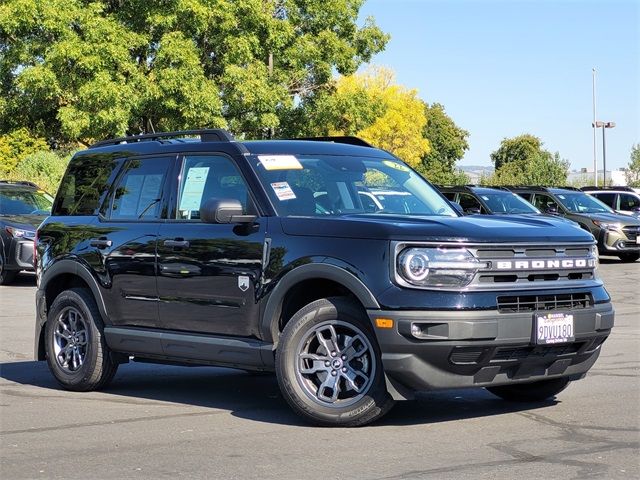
pixel 177 243
pixel 101 243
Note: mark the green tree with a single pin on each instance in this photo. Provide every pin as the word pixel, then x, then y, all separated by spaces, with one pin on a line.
pixel 15 146
pixel 79 70
pixel 518 149
pixel 45 168
pixel 522 161
pixel 448 143
pixel 632 174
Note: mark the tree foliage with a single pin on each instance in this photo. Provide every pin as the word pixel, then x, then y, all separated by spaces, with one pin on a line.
pixel 15 146
pixel 45 168
pixel 448 145
pixel 522 161
pixel 79 70
pixel 632 174
pixel 368 105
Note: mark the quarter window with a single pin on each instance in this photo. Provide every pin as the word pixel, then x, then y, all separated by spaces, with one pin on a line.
pixel 629 202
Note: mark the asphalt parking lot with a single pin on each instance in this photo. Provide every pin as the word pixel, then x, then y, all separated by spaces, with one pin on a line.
pixel 174 422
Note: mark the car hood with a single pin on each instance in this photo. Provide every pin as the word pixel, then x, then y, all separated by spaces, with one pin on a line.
pixel 610 218
pixel 25 222
pixel 474 228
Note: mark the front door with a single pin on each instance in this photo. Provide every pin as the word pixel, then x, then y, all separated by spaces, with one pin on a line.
pixel 208 273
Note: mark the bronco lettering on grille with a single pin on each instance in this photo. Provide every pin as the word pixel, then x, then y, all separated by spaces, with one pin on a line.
pixel 545 264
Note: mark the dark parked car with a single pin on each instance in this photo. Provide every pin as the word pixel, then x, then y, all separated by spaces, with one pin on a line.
pixel 262 255
pixel 616 234
pixel 624 200
pixel 23 206
pixel 487 201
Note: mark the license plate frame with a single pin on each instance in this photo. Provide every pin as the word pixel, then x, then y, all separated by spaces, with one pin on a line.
pixel 553 328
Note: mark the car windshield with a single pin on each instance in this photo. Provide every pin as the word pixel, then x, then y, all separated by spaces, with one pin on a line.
pixel 507 202
pixel 582 203
pixel 24 202
pixel 321 185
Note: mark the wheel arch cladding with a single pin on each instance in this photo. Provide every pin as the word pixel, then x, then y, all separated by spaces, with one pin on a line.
pixel 308 283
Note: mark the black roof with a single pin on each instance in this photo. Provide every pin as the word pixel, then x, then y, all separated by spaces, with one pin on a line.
pixel 470 188
pixel 535 188
pixel 607 189
pixel 220 140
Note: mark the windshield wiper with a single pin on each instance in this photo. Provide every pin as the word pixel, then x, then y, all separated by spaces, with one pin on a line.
pixel 148 207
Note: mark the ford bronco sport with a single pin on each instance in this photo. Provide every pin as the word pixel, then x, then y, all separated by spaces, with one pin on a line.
pixel 260 255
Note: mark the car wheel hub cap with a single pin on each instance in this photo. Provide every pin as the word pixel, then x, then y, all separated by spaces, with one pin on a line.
pixel 70 340
pixel 335 364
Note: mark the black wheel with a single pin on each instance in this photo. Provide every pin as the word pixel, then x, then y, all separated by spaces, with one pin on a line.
pixel 6 276
pixel 629 257
pixel 531 392
pixel 328 365
pixel 77 353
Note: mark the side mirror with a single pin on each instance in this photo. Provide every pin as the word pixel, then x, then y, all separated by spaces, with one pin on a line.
pixel 224 210
pixel 552 209
pixel 472 210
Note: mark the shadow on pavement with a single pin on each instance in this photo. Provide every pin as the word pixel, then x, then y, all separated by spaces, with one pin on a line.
pixel 256 396
pixel 23 279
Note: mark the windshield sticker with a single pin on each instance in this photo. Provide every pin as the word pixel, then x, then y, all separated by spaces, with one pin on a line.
pixel 280 162
pixel 561 196
pixel 395 165
pixel 193 188
pixel 484 197
pixel 283 191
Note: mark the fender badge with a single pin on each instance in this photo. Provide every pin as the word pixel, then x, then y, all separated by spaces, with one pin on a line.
pixel 243 283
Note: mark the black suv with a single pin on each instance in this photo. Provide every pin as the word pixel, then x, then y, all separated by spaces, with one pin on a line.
pixel 261 255
pixel 487 201
pixel 616 234
pixel 23 206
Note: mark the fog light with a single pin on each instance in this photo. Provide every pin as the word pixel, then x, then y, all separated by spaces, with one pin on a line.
pixel 416 331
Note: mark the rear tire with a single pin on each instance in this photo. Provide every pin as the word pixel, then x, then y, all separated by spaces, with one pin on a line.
pixel 531 392
pixel 77 353
pixel 328 365
pixel 629 257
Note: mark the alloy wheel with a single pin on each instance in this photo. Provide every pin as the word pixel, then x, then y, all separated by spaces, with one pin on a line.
pixel 70 340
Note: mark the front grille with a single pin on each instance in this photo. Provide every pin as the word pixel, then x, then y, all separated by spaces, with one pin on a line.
pixel 521 353
pixel 631 232
pixel 530 303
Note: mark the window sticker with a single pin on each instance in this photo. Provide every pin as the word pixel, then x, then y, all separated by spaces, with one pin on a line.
pixel 395 165
pixel 280 162
pixel 193 188
pixel 484 197
pixel 283 191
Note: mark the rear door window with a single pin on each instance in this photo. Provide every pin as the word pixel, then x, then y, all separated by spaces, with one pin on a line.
pixel 138 194
pixel 608 198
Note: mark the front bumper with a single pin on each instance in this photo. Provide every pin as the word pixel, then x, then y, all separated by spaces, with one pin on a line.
pixel 618 242
pixel 20 254
pixel 483 348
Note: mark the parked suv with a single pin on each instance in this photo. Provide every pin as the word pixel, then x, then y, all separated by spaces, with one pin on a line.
pixel 218 252
pixel 616 234
pixel 487 201
pixel 23 206
pixel 624 200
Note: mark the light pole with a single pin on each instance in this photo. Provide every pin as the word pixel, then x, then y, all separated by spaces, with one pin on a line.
pixel 595 160
pixel 604 125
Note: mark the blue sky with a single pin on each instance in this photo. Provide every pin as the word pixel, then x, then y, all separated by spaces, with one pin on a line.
pixel 502 68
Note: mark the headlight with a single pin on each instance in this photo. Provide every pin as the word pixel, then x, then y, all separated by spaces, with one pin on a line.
pixel 19 233
pixel 437 267
pixel 608 226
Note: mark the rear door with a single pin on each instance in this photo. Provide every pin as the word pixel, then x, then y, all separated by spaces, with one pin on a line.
pixel 208 273
pixel 126 240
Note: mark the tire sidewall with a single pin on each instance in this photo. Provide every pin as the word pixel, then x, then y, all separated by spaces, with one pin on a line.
pixel 85 373
pixel 286 359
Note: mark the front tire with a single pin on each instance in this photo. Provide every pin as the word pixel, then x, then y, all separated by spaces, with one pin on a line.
pixel 531 392
pixel 629 257
pixel 6 276
pixel 328 365
pixel 77 353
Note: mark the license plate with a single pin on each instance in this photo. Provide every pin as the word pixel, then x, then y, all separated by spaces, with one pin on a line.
pixel 554 328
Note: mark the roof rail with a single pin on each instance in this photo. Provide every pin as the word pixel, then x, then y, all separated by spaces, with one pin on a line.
pixel 19 182
pixel 622 188
pixel 349 140
pixel 539 187
pixel 206 135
